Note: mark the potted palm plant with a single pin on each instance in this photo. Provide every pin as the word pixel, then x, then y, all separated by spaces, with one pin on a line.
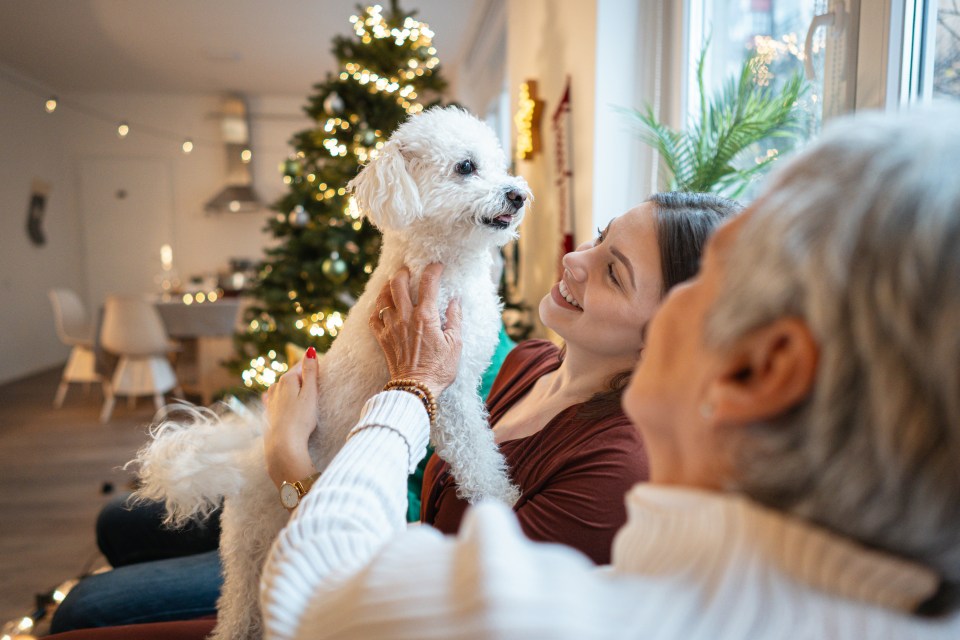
pixel 712 152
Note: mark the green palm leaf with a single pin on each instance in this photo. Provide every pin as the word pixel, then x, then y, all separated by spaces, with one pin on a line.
pixel 704 156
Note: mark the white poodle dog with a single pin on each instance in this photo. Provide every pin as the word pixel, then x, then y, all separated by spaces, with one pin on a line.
pixel 440 192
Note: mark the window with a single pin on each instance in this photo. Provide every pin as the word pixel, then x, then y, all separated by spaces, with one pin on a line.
pixel 782 38
pixel 931 57
pixel 946 50
pixel 773 30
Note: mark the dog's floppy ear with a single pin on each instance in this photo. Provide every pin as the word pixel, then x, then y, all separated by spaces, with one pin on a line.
pixel 385 192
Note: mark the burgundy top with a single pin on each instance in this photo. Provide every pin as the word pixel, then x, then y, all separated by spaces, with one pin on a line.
pixel 173 630
pixel 573 473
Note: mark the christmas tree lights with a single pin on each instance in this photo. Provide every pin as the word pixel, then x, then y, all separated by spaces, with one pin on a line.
pixel 307 283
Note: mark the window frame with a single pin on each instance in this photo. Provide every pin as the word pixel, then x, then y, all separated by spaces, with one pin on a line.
pixel 889 57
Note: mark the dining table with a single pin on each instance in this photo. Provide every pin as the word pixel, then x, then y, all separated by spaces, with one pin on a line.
pixel 202 339
pixel 205 333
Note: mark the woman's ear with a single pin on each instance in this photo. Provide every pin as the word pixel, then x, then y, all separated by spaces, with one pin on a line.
pixel 768 372
pixel 385 192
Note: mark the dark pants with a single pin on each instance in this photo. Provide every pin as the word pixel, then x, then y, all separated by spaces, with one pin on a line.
pixel 159 574
pixel 133 533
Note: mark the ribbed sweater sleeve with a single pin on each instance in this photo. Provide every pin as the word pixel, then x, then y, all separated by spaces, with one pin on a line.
pixel 357 504
pixel 346 566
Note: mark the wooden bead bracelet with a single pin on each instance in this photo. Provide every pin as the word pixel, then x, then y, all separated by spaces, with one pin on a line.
pixel 418 389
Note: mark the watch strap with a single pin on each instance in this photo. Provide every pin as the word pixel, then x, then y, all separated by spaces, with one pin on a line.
pixel 304 485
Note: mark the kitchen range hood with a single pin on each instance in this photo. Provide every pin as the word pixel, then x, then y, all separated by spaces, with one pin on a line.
pixel 238 195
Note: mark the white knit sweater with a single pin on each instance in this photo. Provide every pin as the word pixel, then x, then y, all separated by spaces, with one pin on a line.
pixel 687 565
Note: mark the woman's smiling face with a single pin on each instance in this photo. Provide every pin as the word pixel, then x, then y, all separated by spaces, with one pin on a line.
pixel 610 287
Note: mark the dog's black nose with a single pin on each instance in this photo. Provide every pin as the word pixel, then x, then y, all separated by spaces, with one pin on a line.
pixel 516 198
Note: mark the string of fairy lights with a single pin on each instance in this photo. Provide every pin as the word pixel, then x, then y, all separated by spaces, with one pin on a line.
pixel 369 26
pixel 122 127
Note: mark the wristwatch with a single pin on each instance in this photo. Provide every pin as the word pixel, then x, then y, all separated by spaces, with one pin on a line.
pixel 292 493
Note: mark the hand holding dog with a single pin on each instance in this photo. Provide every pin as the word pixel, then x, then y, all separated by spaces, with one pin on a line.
pixel 292 417
pixel 413 342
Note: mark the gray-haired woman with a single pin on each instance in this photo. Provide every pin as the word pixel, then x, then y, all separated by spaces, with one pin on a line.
pixel 800 404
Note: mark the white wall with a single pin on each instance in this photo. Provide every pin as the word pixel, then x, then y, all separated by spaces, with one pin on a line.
pixel 547 41
pixel 639 62
pixel 482 70
pixel 201 242
pixel 54 147
pixel 617 53
pixel 32 147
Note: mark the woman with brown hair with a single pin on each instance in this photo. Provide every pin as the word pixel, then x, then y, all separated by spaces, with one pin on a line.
pixel 556 412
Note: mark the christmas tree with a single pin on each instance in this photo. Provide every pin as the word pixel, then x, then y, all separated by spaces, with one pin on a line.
pixel 309 281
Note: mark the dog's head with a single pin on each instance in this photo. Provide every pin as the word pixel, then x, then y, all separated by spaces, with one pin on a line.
pixel 444 168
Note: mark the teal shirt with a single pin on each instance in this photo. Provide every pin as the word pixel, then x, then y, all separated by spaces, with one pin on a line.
pixel 415 480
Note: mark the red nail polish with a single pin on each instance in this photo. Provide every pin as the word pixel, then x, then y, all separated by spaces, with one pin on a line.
pixel 312 353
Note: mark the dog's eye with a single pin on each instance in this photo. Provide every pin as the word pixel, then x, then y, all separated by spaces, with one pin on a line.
pixel 466 167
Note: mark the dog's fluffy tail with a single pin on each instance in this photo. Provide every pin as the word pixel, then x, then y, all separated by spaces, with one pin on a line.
pixel 198 456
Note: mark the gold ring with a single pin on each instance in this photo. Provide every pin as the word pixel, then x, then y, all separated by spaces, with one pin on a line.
pixel 380 313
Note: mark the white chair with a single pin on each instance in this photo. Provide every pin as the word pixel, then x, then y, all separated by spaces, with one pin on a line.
pixel 74 330
pixel 133 331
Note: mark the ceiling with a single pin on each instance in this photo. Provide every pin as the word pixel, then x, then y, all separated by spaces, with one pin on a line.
pixel 200 46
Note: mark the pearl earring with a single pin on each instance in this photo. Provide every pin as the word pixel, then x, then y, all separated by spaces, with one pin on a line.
pixel 706 410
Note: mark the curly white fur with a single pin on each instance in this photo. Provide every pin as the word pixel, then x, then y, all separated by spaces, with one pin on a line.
pixel 429 210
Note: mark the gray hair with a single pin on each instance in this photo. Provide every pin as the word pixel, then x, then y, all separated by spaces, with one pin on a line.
pixel 860 236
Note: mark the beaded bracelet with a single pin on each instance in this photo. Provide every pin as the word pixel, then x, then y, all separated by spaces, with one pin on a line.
pixel 418 389
pixel 428 403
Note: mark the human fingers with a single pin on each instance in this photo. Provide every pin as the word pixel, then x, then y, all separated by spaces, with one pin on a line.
pixel 454 316
pixel 430 286
pixel 296 368
pixel 292 417
pixel 384 301
pixel 292 372
pixel 400 290
pixel 289 383
pixel 292 406
pixel 385 339
pixel 385 297
pixel 310 373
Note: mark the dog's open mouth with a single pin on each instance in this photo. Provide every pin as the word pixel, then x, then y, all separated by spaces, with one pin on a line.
pixel 500 222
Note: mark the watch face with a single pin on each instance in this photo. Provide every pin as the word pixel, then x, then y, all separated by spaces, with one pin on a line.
pixel 289 496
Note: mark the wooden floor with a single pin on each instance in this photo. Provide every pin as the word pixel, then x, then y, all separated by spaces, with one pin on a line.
pixel 53 467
